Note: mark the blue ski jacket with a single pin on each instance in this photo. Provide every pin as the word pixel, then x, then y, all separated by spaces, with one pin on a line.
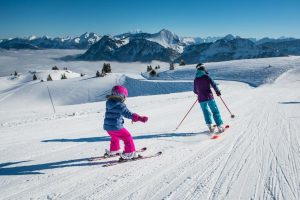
pixel 115 110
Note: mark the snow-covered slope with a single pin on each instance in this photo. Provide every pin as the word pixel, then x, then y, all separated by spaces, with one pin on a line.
pixel 44 155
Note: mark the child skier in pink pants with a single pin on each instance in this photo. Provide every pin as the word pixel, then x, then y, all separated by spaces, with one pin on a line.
pixel 113 124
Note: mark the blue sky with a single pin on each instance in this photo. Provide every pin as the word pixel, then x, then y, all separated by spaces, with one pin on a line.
pixel 202 18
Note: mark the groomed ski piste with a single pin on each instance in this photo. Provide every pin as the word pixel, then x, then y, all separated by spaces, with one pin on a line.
pixel 44 155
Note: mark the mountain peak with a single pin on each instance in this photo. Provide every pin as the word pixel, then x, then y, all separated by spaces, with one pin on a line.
pixel 32 37
pixel 88 35
pixel 165 31
pixel 229 37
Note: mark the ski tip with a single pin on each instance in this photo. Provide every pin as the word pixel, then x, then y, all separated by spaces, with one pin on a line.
pixel 227 126
pixel 215 137
pixel 144 149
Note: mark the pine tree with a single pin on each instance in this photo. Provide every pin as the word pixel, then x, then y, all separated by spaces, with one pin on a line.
pixel 106 68
pixel 49 78
pixel 182 63
pixel 152 73
pixel 34 77
pixel 149 68
pixel 16 74
pixel 172 67
pixel 63 76
pixel 55 68
pixel 98 74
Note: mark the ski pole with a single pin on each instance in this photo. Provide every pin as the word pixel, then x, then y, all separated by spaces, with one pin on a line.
pixel 51 99
pixel 232 115
pixel 186 114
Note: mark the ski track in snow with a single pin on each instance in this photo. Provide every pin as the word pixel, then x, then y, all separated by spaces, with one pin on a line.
pixel 45 156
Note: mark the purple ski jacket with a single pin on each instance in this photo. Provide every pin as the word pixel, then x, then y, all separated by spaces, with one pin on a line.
pixel 202 85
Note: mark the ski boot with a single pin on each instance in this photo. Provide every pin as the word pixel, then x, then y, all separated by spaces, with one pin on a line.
pixel 221 129
pixel 211 128
pixel 129 156
pixel 109 153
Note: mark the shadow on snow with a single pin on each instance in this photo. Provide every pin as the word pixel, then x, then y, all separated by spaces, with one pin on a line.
pixel 290 102
pixel 37 168
pixel 141 137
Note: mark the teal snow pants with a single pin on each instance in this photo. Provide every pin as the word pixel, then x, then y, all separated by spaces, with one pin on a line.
pixel 214 109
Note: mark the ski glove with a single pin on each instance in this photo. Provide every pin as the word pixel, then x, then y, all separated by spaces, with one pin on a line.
pixel 136 118
pixel 218 93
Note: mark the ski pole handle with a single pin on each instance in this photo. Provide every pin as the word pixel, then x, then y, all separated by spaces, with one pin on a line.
pixel 186 114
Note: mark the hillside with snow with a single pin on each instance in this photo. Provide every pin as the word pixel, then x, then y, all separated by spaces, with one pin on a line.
pixel 45 146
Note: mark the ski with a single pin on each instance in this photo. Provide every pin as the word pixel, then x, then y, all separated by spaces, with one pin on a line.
pixel 218 134
pixel 116 162
pixel 106 156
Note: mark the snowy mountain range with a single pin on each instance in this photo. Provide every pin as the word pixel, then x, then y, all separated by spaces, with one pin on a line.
pixel 237 48
pixel 168 47
pixel 164 37
pixel 32 42
pixel 163 45
pixel 125 50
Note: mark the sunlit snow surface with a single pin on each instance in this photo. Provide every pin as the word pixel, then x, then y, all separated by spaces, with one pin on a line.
pixel 44 155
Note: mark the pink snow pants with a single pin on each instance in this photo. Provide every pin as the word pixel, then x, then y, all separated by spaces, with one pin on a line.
pixel 123 135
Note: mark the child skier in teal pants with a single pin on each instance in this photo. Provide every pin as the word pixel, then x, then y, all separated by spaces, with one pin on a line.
pixel 202 85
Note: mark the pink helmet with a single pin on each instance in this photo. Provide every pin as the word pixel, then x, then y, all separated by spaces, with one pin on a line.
pixel 119 90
